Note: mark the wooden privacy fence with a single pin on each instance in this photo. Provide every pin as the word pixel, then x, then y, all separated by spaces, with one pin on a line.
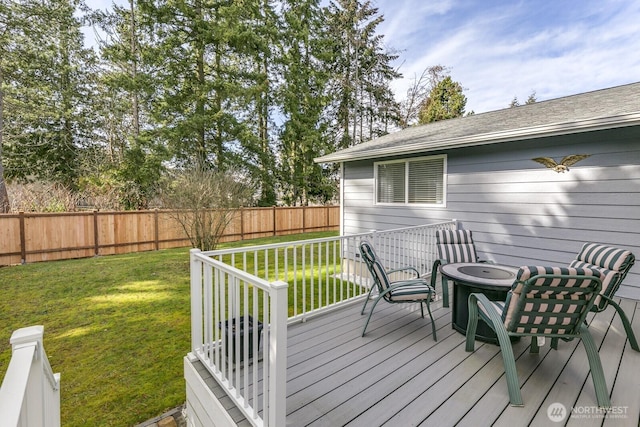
pixel 32 237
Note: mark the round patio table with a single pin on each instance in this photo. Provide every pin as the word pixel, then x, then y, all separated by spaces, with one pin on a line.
pixel 493 280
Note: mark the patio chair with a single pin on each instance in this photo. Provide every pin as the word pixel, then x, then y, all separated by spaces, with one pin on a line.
pixel 543 302
pixel 452 246
pixel 416 290
pixel 614 264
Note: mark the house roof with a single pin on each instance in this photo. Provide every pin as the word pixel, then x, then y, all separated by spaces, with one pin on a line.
pixel 601 109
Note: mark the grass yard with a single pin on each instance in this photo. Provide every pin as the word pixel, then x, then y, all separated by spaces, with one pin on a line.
pixel 116 328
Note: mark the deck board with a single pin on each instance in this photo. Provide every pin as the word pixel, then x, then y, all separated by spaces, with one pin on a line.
pixel 397 375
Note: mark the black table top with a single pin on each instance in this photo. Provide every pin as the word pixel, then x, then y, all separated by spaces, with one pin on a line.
pixel 480 274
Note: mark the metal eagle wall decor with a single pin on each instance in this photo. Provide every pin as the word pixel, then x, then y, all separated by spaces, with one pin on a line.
pixel 564 164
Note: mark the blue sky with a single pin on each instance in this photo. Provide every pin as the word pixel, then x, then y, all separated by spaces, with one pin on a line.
pixel 501 49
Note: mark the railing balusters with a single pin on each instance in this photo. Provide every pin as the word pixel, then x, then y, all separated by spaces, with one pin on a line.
pixel 324 273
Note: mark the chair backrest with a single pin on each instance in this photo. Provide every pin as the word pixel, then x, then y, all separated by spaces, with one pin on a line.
pixel 614 264
pixel 377 270
pixel 550 300
pixel 456 246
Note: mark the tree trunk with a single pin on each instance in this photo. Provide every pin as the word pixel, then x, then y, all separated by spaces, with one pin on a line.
pixel 4 196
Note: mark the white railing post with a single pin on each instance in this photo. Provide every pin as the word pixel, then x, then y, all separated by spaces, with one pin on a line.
pixel 278 355
pixel 196 300
pixel 30 393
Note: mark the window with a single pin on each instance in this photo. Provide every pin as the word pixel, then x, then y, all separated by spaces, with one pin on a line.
pixel 413 181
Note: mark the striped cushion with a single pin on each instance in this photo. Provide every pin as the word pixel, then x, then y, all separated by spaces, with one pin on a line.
pixel 367 252
pixel 381 278
pixel 608 257
pixel 456 246
pixel 612 262
pixel 419 290
pixel 415 292
pixel 545 310
pixel 610 281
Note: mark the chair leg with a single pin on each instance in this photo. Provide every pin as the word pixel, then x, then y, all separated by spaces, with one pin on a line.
pixel 627 325
pixel 513 385
pixel 421 309
pixel 597 374
pixel 535 348
pixel 472 326
pixel 433 324
pixel 366 300
pixel 370 313
pixel 445 292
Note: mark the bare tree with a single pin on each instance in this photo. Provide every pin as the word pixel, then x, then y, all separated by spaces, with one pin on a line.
pixel 418 93
pixel 204 202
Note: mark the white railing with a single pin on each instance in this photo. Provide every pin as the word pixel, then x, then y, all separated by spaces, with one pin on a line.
pixel 30 393
pixel 263 288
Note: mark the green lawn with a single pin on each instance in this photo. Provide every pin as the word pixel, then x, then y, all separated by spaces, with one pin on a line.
pixel 116 328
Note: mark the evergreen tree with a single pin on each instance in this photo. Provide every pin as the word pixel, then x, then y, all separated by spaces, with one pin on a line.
pixel 135 156
pixel 260 33
pixel 363 102
pixel 446 101
pixel 47 115
pixel 530 100
pixel 195 77
pixel 303 102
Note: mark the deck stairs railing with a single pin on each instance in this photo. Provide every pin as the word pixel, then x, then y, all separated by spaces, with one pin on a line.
pixel 30 393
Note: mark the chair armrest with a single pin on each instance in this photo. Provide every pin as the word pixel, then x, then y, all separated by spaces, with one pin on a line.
pixel 396 270
pixel 490 316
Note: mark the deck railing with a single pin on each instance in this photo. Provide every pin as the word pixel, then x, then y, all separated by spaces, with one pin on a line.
pixel 243 298
pixel 30 393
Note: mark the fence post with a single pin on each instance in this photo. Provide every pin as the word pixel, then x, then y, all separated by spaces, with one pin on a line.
pixel 241 223
pixel 274 221
pixel 326 212
pixel 304 218
pixel 23 243
pixel 278 355
pixel 156 234
pixel 96 244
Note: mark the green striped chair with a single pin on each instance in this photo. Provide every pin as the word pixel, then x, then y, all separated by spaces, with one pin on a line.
pixel 401 291
pixel 614 264
pixel 543 302
pixel 452 246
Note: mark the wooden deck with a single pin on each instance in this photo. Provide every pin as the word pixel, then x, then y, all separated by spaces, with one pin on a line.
pixel 397 375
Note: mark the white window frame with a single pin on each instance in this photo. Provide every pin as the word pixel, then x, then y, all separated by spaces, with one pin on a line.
pixel 406 181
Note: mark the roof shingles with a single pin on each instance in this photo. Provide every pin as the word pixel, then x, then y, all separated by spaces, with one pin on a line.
pixel 602 109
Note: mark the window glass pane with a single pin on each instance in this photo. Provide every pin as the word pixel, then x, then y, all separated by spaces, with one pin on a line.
pixel 426 181
pixel 391 183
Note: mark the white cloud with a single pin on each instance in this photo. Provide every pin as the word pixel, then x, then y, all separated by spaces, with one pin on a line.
pixel 499 51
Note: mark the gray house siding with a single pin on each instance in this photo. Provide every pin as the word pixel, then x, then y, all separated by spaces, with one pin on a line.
pixel 519 211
